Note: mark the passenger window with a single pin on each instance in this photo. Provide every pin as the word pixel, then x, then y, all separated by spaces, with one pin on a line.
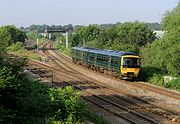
pixel 114 61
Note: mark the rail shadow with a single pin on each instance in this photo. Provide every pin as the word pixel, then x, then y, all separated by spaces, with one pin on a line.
pixel 77 85
pixel 41 48
pixel 118 102
pixel 139 104
pixel 148 72
pixel 43 73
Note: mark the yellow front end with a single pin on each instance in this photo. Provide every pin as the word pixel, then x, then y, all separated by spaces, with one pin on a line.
pixel 130 66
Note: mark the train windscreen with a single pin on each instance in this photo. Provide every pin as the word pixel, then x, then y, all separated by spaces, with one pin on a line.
pixel 130 62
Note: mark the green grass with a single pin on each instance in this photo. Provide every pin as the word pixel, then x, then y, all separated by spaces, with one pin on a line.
pixel 27 54
pixel 63 49
pixel 18 49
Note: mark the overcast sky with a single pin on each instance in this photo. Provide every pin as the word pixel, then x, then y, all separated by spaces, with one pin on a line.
pixel 82 12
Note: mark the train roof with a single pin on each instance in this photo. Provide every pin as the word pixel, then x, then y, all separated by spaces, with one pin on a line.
pixel 104 52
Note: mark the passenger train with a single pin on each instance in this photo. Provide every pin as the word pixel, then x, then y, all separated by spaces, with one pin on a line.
pixel 125 65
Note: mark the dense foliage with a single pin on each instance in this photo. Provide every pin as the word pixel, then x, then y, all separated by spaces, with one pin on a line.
pixel 174 84
pixel 123 37
pixel 165 53
pixel 43 28
pixel 26 101
pixel 10 35
pixel 154 26
pixel 160 57
pixel 23 100
pixel 3 46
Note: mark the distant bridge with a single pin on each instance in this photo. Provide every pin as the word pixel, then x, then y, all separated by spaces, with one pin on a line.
pixel 55 31
pixel 59 31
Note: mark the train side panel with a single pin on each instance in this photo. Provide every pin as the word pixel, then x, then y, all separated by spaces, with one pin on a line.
pixel 126 65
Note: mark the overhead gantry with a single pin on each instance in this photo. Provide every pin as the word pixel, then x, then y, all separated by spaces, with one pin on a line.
pixel 58 31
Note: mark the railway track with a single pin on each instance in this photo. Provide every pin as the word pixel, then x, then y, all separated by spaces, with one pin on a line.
pixel 67 69
pixel 144 86
pixel 116 109
pixel 83 87
pixel 137 84
pixel 120 111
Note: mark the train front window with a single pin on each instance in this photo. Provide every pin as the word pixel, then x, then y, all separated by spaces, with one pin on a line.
pixel 130 62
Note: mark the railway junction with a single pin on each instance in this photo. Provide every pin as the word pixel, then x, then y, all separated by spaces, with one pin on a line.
pixel 118 101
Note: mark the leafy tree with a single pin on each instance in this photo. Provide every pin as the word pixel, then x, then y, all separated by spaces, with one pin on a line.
pixel 154 26
pixel 25 101
pixel 15 47
pixel 33 35
pixel 164 54
pixel 3 46
pixel 171 20
pixel 85 34
pixel 42 28
pixel 11 34
pixel 65 103
pixel 22 97
pixel 135 33
pixel 107 37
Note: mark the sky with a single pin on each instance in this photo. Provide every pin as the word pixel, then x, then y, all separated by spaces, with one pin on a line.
pixel 82 12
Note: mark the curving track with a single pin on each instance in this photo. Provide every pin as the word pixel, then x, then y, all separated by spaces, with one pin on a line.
pixel 132 112
pixel 142 85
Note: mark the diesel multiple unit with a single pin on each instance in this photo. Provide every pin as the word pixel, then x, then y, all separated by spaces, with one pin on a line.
pixel 125 65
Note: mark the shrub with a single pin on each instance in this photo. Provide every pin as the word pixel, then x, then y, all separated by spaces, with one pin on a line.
pixel 147 72
pixel 22 98
pixel 25 101
pixel 15 47
pixel 63 49
pixel 18 49
pixel 174 84
pixel 66 104
pixel 157 79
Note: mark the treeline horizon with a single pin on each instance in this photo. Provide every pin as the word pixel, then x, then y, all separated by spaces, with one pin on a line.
pixel 42 28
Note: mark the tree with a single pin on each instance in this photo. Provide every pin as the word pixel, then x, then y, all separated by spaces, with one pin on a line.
pixel 11 34
pixel 85 34
pixel 107 37
pixel 171 20
pixel 135 33
pixel 121 36
pixel 154 26
pixel 3 46
pixel 164 54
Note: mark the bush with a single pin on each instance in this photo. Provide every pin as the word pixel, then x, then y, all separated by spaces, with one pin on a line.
pixel 15 47
pixel 68 51
pixel 22 98
pixel 18 49
pixel 63 49
pixel 157 79
pixel 66 104
pixel 174 84
pixel 26 101
pixel 59 46
pixel 146 73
